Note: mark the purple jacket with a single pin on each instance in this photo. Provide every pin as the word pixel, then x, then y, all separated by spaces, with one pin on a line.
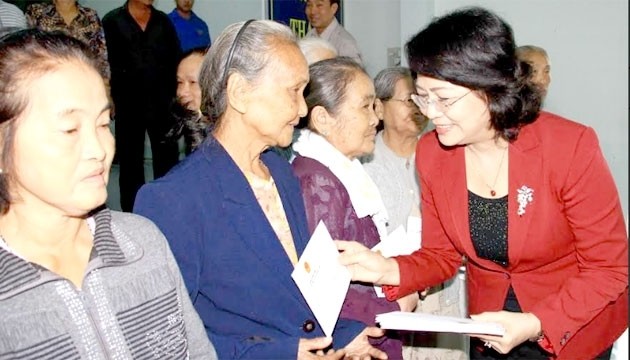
pixel 326 199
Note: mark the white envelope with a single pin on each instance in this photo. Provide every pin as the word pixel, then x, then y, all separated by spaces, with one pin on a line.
pixel 398 320
pixel 322 280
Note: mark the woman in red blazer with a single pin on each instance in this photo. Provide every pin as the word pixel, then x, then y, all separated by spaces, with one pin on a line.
pixel 526 197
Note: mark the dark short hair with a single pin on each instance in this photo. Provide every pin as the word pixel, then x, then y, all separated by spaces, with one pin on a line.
pixel 194 51
pixel 328 84
pixel 24 56
pixel 474 48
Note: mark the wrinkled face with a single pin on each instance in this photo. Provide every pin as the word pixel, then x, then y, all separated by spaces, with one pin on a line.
pixel 355 129
pixel 276 102
pixel 188 90
pixel 400 114
pixel 460 116
pixel 320 13
pixel 184 5
pixel 541 70
pixel 63 147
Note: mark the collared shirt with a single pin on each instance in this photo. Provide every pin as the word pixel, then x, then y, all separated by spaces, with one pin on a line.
pixel 143 62
pixel 340 38
pixel 192 32
pixel 11 16
pixel 86 26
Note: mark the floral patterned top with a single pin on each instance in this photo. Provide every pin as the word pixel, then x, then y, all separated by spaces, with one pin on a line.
pixel 86 26
pixel 269 199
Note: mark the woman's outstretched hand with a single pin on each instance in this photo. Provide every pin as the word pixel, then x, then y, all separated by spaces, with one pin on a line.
pixel 367 265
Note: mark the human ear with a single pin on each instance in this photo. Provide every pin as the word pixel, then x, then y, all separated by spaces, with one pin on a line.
pixel 237 91
pixel 336 7
pixel 378 108
pixel 321 121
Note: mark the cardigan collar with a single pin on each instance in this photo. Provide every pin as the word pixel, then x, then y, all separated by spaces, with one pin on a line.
pixel 17 274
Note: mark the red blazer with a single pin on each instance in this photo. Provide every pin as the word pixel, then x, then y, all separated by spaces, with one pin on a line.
pixel 568 251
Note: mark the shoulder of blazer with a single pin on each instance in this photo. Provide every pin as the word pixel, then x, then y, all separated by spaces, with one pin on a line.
pixel 557 136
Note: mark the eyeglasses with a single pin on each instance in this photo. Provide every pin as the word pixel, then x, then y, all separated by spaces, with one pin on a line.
pixel 408 102
pixel 441 105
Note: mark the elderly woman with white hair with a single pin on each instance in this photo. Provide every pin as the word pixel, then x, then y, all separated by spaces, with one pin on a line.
pixel 233 211
pixel 316 49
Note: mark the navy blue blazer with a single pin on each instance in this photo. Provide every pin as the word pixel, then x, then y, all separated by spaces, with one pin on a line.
pixel 236 271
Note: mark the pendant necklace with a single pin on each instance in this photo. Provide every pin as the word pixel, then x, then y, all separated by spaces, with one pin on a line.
pixel 493 193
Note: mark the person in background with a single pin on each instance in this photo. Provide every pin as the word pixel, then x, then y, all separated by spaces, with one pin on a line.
pixel 11 17
pixel 75 20
pixel 324 24
pixel 538 59
pixel 525 195
pixel 143 54
pixel 191 30
pixel 392 167
pixel 78 280
pixel 335 187
pixel 186 108
pixel 233 213
pixel 314 49
pixel 392 164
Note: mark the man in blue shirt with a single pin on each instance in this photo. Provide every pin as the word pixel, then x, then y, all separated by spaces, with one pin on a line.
pixel 191 30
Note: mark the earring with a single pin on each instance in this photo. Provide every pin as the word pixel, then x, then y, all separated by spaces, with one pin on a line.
pixel 325 133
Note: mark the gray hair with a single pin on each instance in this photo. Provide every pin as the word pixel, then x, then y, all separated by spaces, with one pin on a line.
pixel 251 55
pixel 525 50
pixel 328 86
pixel 385 81
pixel 310 46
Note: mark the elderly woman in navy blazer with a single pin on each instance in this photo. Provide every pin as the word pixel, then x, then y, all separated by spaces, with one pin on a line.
pixel 233 212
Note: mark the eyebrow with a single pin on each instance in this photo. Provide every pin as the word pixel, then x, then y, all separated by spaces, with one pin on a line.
pixel 71 111
pixel 434 89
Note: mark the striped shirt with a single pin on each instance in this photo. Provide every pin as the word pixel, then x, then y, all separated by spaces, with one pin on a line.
pixel 11 16
pixel 132 303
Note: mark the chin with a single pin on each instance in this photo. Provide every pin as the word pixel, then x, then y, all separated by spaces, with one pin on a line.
pixel 367 151
pixel 285 139
pixel 448 141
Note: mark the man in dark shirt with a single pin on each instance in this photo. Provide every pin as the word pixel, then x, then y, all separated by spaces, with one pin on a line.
pixel 143 51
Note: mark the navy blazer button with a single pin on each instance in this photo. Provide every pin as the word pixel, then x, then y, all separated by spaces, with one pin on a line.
pixel 308 326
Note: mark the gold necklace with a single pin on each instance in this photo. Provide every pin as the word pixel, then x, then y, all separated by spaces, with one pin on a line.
pixel 493 193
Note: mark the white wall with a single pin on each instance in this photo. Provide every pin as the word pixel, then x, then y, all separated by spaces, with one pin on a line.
pixel 376 28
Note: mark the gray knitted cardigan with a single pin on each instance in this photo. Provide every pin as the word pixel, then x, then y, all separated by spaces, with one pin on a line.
pixel 133 303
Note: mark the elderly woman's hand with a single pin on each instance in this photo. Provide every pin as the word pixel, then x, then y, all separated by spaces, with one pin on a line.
pixel 310 349
pixel 367 265
pixel 360 348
